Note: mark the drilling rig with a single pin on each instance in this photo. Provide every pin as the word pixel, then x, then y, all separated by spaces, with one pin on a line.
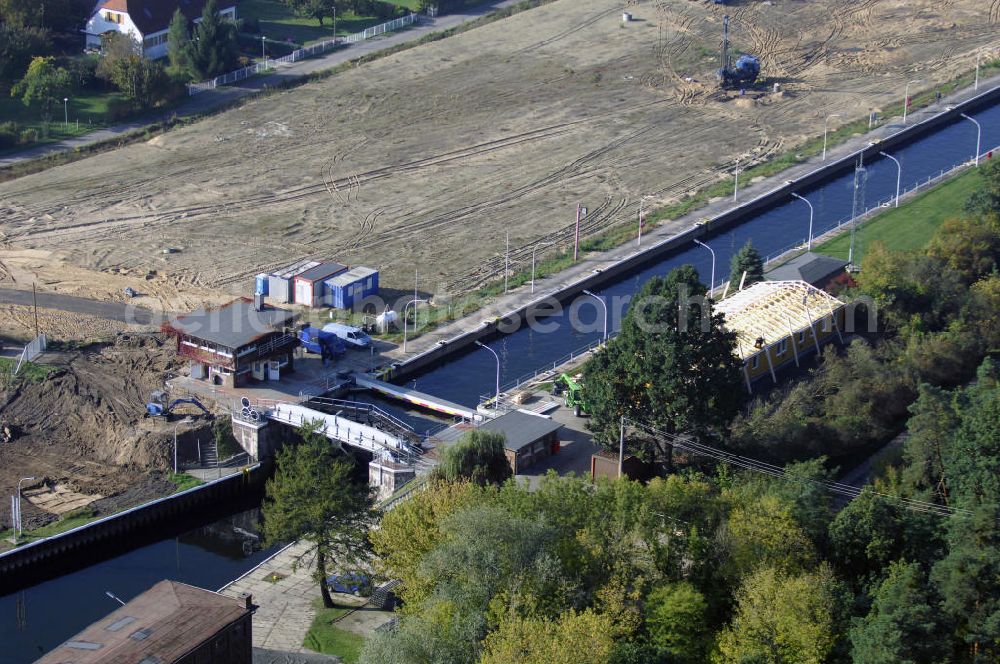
pixel 744 72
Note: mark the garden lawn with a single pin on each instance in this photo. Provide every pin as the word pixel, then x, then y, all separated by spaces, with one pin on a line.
pixel 279 23
pixel 89 108
pixel 910 226
pixel 331 640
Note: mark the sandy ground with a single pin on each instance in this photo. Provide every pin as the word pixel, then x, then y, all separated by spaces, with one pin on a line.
pixel 426 159
pixel 81 433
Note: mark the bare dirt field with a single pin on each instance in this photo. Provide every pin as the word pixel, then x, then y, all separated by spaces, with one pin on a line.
pixel 427 158
pixel 80 432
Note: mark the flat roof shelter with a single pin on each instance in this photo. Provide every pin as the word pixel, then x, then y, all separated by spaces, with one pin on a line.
pixel 814 269
pixel 169 623
pixel 777 322
pixel 529 437
pixel 229 344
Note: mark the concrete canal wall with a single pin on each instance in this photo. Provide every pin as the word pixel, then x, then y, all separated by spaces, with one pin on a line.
pixel 656 251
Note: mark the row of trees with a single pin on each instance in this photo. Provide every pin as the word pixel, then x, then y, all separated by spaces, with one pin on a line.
pixel 323 9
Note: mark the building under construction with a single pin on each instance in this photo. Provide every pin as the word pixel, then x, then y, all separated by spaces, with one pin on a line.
pixel 778 322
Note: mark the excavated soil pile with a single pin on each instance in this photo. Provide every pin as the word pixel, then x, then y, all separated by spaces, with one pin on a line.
pixel 81 433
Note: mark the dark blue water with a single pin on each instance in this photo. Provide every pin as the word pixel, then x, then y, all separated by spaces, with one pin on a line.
pixel 466 377
pixel 214 555
pixel 35 620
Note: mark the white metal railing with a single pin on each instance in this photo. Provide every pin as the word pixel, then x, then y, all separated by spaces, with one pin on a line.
pixel 879 206
pixel 300 54
pixel 33 349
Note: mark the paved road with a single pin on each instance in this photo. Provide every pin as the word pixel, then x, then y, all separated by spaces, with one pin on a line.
pixel 212 99
pixel 119 311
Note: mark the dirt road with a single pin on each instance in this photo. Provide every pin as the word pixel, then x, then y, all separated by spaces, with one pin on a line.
pixel 426 159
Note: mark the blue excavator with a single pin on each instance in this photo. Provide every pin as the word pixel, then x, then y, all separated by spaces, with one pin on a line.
pixel 158 405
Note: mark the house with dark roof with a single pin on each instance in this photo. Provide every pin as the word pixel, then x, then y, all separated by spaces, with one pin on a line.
pixel 814 269
pixel 171 623
pixel 146 21
pixel 528 437
pixel 232 344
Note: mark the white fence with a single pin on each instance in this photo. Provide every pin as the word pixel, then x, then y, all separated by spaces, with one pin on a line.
pixel 35 348
pixel 301 54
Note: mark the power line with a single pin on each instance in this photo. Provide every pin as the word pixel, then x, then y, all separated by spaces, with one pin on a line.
pixel 764 468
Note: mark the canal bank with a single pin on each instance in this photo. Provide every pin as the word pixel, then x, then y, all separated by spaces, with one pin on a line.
pixel 510 312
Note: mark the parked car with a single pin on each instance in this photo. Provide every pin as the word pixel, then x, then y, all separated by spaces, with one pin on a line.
pixel 352 336
pixel 353 583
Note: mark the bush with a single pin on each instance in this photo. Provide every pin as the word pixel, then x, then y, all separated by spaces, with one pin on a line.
pixel 28 136
pixel 118 109
pixel 251 25
pixel 9 134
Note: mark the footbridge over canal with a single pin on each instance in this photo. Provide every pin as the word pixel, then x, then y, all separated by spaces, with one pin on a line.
pixel 396 449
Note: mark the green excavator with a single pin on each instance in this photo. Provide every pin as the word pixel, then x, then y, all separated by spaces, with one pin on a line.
pixel 571 387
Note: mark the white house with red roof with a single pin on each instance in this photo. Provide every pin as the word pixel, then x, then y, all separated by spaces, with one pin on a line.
pixel 146 21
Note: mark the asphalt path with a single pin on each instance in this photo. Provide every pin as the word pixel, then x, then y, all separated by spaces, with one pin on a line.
pixel 117 311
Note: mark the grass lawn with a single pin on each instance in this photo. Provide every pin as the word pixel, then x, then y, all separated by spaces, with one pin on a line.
pixel 78 517
pixel 184 481
pixel 279 23
pixel 89 108
pixel 331 640
pixel 910 226
pixel 32 372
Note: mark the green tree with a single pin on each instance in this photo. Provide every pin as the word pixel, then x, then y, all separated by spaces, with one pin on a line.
pixel 677 621
pixel 762 532
pixel 781 619
pixel 904 624
pixel 673 367
pixel 18 45
pixel 970 246
pixel 574 638
pixel 179 48
pixel 411 530
pixel 214 50
pixel 43 84
pixel 748 260
pixel 478 456
pixel 932 421
pixel 312 497
pixel 985 201
pixel 21 13
pixel 317 9
pixel 138 78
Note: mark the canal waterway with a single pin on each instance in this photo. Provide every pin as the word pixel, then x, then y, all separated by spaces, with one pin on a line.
pixel 37 618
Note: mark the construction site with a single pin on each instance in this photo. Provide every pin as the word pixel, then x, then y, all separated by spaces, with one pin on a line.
pixel 420 161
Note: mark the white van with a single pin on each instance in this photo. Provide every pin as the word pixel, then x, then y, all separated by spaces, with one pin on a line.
pixel 352 336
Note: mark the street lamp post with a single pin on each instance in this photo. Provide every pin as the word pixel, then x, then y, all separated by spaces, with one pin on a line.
pixel 711 251
pixel 263 51
pixel 605 306
pixel 825 125
pixel 899 174
pixel 496 399
pixel 65 111
pixel 641 201
pixel 979 133
pixel 979 54
pixel 19 525
pixel 906 97
pixel 405 307
pixel 809 242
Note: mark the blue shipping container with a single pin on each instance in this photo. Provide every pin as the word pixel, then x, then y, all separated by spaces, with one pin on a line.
pixel 353 286
pixel 262 284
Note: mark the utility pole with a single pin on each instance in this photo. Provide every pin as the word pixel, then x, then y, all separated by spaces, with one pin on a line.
pixel 576 235
pixel 506 263
pixel 621 448
pixel 34 302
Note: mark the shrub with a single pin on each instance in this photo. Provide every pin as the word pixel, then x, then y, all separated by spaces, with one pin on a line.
pixel 118 109
pixel 9 134
pixel 28 136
